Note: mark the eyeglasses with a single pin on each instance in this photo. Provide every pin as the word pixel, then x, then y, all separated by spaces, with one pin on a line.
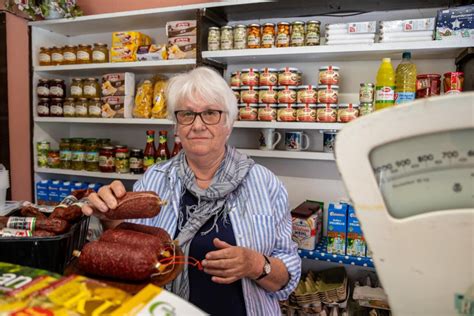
pixel 209 117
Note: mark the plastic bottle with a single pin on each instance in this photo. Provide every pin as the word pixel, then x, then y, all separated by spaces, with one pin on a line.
pixel 405 80
pixel 149 152
pixel 162 152
pixel 385 85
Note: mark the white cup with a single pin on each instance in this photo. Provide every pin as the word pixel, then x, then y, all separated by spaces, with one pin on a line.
pixel 294 141
pixel 267 138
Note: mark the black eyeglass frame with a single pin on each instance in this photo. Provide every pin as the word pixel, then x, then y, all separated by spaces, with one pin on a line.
pixel 196 114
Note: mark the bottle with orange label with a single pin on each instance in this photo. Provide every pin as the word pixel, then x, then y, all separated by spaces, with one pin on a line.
pixel 385 85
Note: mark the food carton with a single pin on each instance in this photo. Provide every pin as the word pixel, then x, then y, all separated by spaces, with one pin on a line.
pixel 181 28
pixel 14 278
pixel 42 191
pixel 123 53
pixel 118 84
pixel 53 188
pixel 356 245
pixel 65 189
pixel 337 228
pixel 455 23
pixel 131 37
pixel 307 224
pixel 182 47
pixel 152 52
pixel 413 25
pixel 117 107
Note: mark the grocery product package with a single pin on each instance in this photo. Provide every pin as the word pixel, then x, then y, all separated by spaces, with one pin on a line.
pixel 123 53
pixel 351 28
pixel 407 26
pixel 152 52
pixel 181 28
pixel 118 84
pixel 455 23
pixel 143 100
pixel 117 106
pixel 131 37
pixel 182 47
pixel 159 102
pixel 307 219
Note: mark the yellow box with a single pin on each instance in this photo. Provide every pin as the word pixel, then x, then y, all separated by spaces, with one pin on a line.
pixel 127 38
pixel 123 53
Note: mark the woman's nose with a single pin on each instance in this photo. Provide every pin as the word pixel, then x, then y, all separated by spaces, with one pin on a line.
pixel 198 123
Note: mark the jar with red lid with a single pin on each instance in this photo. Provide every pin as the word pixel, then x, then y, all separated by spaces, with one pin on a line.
pixel 56 107
pixel 428 85
pixel 328 94
pixel 289 76
pixel 453 82
pixel 248 112
pixel 249 94
pixel 249 77
pixel 306 112
pixel 307 94
pixel 268 94
pixel 267 112
pixel 347 112
pixel 268 77
pixel 287 94
pixel 326 113
pixel 235 79
pixel 107 159
pixel 42 108
pixel 286 113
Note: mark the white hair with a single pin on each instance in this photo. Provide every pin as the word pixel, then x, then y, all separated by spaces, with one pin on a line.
pixel 201 83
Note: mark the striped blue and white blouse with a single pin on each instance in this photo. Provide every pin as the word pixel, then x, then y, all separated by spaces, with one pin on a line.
pixel 260 219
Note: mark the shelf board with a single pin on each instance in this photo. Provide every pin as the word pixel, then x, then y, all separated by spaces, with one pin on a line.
pixel 306 155
pixel 90 120
pixel 419 50
pixel 83 173
pixel 320 254
pixel 289 125
pixel 176 65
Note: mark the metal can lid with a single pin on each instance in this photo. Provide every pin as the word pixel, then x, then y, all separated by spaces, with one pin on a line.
pixel 58 80
pixel 327 87
pixel 252 105
pixel 292 69
pixel 76 79
pixel 244 88
pixel 107 148
pixel 363 84
pixel 302 105
pixel 213 28
pixel 283 23
pixel 307 87
pixel 240 26
pixel 286 105
pixel 44 99
pixel 235 73
pixel 287 87
pixel 136 150
pixel 329 67
pixel 297 23
pixel 326 105
pixel 254 25
pixel 269 24
pixel 255 70
pixel 235 88
pixel 268 70
pixel 91 79
pixel 270 88
pixel 268 105
pixel 226 27
pixel 313 22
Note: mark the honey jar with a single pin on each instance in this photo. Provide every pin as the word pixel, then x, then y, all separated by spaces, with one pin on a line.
pixel 70 55
pixel 44 56
pixel 57 57
pixel 100 53
pixel 84 53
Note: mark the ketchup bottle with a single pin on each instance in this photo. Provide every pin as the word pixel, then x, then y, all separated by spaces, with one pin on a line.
pixel 177 146
pixel 149 152
pixel 162 153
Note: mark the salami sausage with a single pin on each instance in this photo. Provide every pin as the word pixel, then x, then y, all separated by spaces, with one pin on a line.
pixel 136 205
pixel 156 231
pixel 42 233
pixel 135 239
pixel 70 213
pixel 53 225
pixel 31 211
pixel 117 261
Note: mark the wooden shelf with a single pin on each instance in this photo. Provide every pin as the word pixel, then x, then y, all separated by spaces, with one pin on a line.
pixel 90 120
pixel 305 155
pixel 83 173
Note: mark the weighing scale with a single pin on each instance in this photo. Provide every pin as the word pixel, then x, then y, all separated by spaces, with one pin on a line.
pixel 409 171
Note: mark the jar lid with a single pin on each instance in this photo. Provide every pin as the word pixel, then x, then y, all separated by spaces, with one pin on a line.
pixel 77 140
pixel 235 73
pixel 44 99
pixel 326 105
pixel 287 87
pixel 286 105
pixel 70 46
pixel 100 44
pixel 136 150
pixel 425 76
pixel 269 24
pixel 454 73
pixel 213 28
pixel 121 150
pixel 235 88
pixel 58 80
pixel 303 105
pixel 249 88
pixel 369 84
pixel 329 67
pixel 91 140
pixel 313 22
pixel 84 45
pixel 288 69
pixel 57 99
pixel 252 105
pixel 91 79
pixel 254 25
pixel 268 105
pixel 44 80
pixel 240 26
pixel 227 27
pixel 107 148
pixel 76 79
pixel 348 105
pixel 274 88
pixel 283 23
pixel 120 146
pixel 297 23
pixel 82 99
pixel 326 87
pixel 255 70
pixel 268 70
pixel 69 99
pixel 307 87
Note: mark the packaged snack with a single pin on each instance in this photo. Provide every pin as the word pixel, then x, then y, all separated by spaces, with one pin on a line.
pixel 152 52
pixel 127 38
pixel 181 28
pixel 182 47
pixel 117 107
pixel 337 228
pixel 15 278
pixel 143 100
pixel 118 84
pixel 159 102
pixel 123 53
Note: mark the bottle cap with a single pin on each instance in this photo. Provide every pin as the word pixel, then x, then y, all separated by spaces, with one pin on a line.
pixel 406 55
pixel 386 60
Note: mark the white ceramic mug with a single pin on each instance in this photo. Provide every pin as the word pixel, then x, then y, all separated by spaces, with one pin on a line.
pixel 269 138
pixel 294 141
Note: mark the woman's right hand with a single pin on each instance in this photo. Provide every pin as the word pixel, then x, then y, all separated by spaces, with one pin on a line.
pixel 105 199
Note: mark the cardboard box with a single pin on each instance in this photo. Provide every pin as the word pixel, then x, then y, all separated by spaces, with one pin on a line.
pixel 337 228
pixel 181 28
pixel 182 47
pixel 131 37
pixel 42 192
pixel 118 84
pixel 455 23
pixel 152 52
pixel 117 107
pixel 356 245
pixel 65 189
pixel 53 196
pixel 307 221
pixel 123 53
pixel 413 25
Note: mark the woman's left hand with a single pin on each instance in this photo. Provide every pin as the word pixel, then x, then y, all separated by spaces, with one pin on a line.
pixel 231 263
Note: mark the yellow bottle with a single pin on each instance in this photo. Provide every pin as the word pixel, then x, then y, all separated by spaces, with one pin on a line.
pixel 385 85
pixel 405 80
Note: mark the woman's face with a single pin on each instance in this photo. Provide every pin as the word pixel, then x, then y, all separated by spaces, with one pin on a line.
pixel 199 139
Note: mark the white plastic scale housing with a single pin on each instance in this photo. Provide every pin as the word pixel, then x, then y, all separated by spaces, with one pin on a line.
pixel 409 171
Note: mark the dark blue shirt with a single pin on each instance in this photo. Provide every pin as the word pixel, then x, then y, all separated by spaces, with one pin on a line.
pixel 211 297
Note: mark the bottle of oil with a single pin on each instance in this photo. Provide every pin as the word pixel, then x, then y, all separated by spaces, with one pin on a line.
pixel 385 85
pixel 405 80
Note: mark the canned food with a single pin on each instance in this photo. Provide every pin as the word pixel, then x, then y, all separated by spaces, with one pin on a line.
pixel 268 94
pixel 235 79
pixel 289 76
pixel 248 112
pixel 268 76
pixel 249 94
pixel 253 36
pixel 347 112
pixel 428 85
pixel 268 35
pixel 249 77
pixel 312 37
pixel 329 75
pixel 240 36
pixel 307 94
pixel 366 108
pixel 236 91
pixel 287 94
pixel 328 93
pixel 306 112
pixel 366 93
pixel 267 112
pixel 326 113
pixel 297 34
pixel 286 113
pixel 283 34
pixel 227 37
pixel 453 82
pixel 213 39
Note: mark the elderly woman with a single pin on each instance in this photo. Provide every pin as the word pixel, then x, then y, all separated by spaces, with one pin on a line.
pixel 223 208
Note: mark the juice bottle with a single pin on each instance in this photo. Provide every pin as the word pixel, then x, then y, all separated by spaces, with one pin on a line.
pixel 385 85
pixel 405 80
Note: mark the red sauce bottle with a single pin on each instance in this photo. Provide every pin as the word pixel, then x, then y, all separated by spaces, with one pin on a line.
pixel 162 153
pixel 149 152
pixel 177 146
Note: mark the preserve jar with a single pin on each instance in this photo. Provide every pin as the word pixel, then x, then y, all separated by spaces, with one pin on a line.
pixel 70 55
pixel 268 94
pixel 227 37
pixel 84 54
pixel 100 53
pixel 307 94
pixel 287 94
pixel 313 30
pixel 453 82
pixel 94 107
pixel 42 149
pixel 366 108
pixel 69 108
pixel 122 160
pixel 347 112
pixel 136 161
pixel 92 154
pixel 65 153
pixel 77 88
pixel 329 75
pixel 42 108
pixel 249 94
pixel 240 36
pixel 213 39
pixel 249 77
pixel 286 113
pixel 42 88
pixel 326 113
pixel 267 112
pixel 428 85
pixel 328 93
pixel 289 76
pixel 268 77
pixel 297 34
pixel 104 142
pixel 91 88
pixel 53 159
pixel 78 154
pixel 235 79
pixel 268 35
pixel 366 92
pixel 56 107
pixel 283 34
pixel 236 91
pixel 81 107
pixel 248 112
pixel 107 159
pixel 253 36
pixel 306 112
pixel 57 88
pixel 57 57
pixel 44 58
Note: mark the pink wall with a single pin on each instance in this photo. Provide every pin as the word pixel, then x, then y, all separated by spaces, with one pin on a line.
pixel 19 107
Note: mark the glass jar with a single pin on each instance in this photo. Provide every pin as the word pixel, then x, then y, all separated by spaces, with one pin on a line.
pixel 57 88
pixel 92 155
pixel 283 34
pixel 427 85
pixel 240 36
pixel 104 142
pixel 453 82
pixel 84 54
pixel 347 112
pixel 249 94
pixel 326 113
pixel 268 77
pixel 329 75
pixel 107 159
pixel 53 159
pixel 81 107
pixel 77 88
pixel 42 88
pixel 268 35
pixel 70 55
pixel 253 36
pixel 268 95
pixel 249 77
pixel 313 31
pixel 328 94
pixel 213 39
pixel 136 161
pixel 267 112
pixel 69 107
pixel 65 154
pixel 307 94
pixel 297 34
pixel 286 113
pixel 57 57
pixel 235 79
pixel 366 108
pixel 56 107
pixel 91 88
pixel 366 93
pixel 94 107
pixel 44 58
pixel 289 76
pixel 122 160
pixel 78 154
pixel 287 94
pixel 42 109
pixel 236 91
pixel 306 112
pixel 100 53
pixel 248 112
pixel 42 149
pixel 227 37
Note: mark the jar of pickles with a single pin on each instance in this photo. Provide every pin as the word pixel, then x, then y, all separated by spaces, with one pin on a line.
pixel 78 154
pixel 92 155
pixel 122 159
pixel 53 159
pixel 70 54
pixel 213 39
pixel 57 57
pixel 91 88
pixel 253 36
pixel 65 154
pixel 84 54
pixel 44 58
pixel 107 159
pixel 283 34
pixel 94 107
pixel 268 35
pixel 297 34
pixel 227 37
pixel 313 30
pixel 240 36
pixel 100 53
pixel 81 107
pixel 76 88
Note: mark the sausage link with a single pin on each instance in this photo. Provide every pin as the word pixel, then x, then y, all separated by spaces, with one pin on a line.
pixel 43 233
pixel 136 205
pixel 135 239
pixel 70 213
pixel 53 225
pixel 156 231
pixel 31 211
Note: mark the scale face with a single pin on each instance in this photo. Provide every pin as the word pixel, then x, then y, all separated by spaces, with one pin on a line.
pixel 409 171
